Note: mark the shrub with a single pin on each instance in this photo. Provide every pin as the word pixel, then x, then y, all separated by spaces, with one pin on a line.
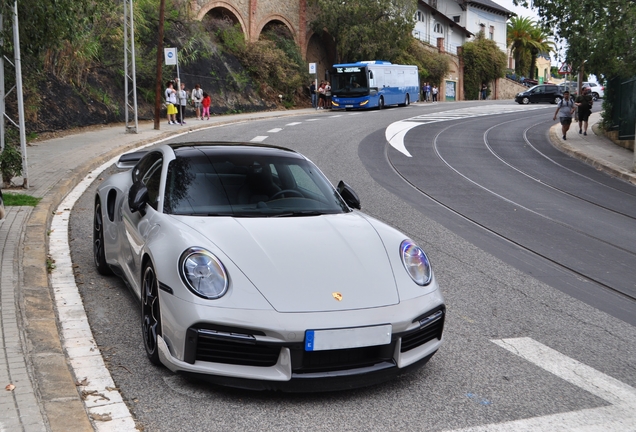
pixel 10 163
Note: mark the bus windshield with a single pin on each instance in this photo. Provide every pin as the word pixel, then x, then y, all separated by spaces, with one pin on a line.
pixel 349 81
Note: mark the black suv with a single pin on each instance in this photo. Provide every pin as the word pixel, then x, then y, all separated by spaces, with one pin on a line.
pixel 541 93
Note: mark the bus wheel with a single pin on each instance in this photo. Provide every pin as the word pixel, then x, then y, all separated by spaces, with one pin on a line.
pixel 407 101
pixel 380 103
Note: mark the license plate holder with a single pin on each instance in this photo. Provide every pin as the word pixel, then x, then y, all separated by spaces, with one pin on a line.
pixel 343 338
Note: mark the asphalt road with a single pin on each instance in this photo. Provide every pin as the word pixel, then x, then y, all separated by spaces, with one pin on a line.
pixel 515 247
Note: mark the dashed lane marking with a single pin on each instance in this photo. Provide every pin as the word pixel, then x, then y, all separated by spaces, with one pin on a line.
pixel 293 124
pixel 275 130
pixel 259 138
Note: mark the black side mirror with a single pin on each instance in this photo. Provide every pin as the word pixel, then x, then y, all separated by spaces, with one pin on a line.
pixel 138 197
pixel 348 195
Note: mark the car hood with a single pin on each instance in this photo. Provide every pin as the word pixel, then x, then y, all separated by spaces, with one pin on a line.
pixel 307 264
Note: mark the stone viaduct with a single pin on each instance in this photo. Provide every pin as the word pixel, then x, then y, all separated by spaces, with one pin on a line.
pixel 254 16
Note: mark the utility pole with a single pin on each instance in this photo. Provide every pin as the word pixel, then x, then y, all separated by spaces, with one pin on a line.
pixel 158 83
pixel 20 97
pixel 130 76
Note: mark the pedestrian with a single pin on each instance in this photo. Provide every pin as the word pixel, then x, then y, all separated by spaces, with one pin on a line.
pixel 484 91
pixel 565 109
pixel 171 101
pixel 328 95
pixel 183 103
pixel 1 206
pixel 197 97
pixel 205 103
pixel 434 91
pixel 584 102
pixel 427 88
pixel 312 91
pixel 321 95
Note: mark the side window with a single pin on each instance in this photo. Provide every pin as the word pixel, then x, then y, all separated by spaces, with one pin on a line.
pixel 148 170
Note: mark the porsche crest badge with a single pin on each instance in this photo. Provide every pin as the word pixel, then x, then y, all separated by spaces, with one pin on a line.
pixel 337 296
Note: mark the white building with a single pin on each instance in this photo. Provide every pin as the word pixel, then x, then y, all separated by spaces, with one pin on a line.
pixel 458 21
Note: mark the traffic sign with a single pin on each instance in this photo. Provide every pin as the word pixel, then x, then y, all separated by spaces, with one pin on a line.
pixel 565 69
pixel 170 55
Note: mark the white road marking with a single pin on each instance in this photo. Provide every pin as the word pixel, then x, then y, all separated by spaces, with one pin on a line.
pixel 334 116
pixel 293 124
pixel 355 113
pixel 619 416
pixel 259 138
pixel 274 130
pixel 312 120
pixel 396 132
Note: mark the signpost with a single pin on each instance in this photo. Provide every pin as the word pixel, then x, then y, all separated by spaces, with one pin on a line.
pixel 313 70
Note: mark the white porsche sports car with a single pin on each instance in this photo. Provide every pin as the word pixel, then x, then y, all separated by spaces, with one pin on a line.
pixel 254 271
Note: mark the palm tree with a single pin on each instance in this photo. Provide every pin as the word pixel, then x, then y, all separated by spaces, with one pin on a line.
pixel 519 39
pixel 541 45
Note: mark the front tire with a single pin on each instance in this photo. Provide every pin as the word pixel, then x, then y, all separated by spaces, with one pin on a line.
pixel 557 100
pixel 525 101
pixel 99 256
pixel 150 313
pixel 381 103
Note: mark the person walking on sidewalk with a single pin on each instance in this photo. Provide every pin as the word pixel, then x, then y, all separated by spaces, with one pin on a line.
pixel 584 102
pixel 434 91
pixel 565 110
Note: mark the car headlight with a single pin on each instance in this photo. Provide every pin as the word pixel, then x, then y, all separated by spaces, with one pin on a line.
pixel 416 263
pixel 203 273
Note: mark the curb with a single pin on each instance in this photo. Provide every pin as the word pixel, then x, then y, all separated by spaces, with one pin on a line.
pixel 601 165
pixel 54 383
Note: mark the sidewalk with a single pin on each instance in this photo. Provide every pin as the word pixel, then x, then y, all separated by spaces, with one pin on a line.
pixel 595 149
pixel 32 359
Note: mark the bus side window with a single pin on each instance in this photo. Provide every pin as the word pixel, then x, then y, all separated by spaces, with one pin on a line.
pixel 370 74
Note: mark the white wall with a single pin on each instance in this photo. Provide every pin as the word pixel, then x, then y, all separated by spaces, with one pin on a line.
pixel 475 17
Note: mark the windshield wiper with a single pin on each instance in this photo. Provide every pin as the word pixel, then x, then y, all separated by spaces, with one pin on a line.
pixel 298 213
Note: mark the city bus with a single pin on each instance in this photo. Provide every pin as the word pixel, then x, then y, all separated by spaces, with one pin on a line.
pixel 373 84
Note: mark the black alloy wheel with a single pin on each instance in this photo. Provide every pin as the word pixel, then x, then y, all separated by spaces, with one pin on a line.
pixel 150 313
pixel 98 242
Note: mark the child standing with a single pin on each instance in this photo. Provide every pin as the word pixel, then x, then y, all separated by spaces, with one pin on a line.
pixel 206 102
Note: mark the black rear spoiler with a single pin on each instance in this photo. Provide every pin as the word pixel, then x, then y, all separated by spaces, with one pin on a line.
pixel 129 160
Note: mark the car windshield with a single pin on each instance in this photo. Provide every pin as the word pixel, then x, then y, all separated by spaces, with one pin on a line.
pixel 243 184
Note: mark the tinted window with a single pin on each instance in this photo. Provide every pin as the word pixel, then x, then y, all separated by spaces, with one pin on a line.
pixel 551 89
pixel 241 184
pixel 148 170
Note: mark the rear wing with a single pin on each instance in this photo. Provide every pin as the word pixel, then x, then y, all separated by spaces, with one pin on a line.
pixel 129 160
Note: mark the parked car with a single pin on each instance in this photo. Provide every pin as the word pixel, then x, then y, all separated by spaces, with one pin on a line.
pixel 541 93
pixel 598 91
pixel 253 271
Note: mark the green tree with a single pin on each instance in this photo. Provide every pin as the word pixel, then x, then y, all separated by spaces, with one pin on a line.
pixel 601 35
pixel 483 62
pixel 432 65
pixel 366 29
pixel 526 40
pixel 540 45
pixel 519 40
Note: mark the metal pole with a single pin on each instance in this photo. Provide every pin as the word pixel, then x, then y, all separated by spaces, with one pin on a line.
pixel 18 83
pixel 1 88
pixel 162 8
pixel 130 80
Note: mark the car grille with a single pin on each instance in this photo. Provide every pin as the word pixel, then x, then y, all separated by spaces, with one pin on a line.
pixel 229 348
pixel 342 359
pixel 432 325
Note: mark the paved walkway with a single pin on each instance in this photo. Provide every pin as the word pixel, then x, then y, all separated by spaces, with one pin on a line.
pixel 32 357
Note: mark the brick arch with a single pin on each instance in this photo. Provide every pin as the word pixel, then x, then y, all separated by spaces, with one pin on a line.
pixel 225 5
pixel 282 19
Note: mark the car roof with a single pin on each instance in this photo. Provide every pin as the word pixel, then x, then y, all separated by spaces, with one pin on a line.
pixel 219 148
